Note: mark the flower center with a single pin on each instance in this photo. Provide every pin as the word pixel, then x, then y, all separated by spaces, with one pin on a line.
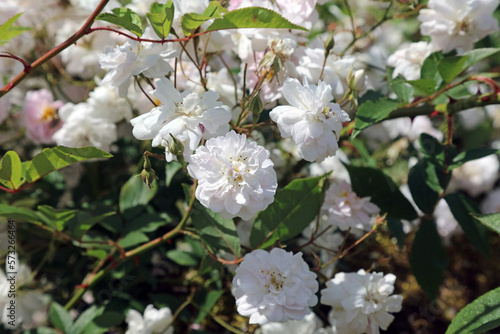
pixel 275 280
pixel 235 170
pixel 464 26
pixel 328 112
pixel 49 114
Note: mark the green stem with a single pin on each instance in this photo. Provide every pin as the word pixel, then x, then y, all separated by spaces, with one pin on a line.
pixel 141 249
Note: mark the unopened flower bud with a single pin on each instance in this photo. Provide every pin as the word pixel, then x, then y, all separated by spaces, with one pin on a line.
pixel 176 147
pixel 329 44
pixel 256 107
pixel 357 80
pixel 148 176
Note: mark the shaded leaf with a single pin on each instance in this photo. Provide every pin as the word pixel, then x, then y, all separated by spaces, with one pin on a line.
pixel 125 18
pixel 85 319
pixel 206 303
pixel 60 318
pixel 403 90
pixel 109 319
pixel 428 258
pixel 451 67
pixel 19 214
pixel 182 258
pixel 136 193
pixel 146 223
pixel 424 185
pixel 171 169
pixel 367 181
pixel 429 68
pixel 425 86
pixel 480 316
pixel 463 208
pixel 217 232
pixel 132 239
pixel 432 149
pixel 294 207
pixel 56 218
pixel 84 222
pixel 208 264
pixel 492 221
pixel 472 154
pixel 395 226
pixel 252 17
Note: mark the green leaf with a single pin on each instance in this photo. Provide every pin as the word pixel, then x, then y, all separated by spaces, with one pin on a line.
pixel 171 169
pixel 182 258
pixel 98 253
pixel 428 258
pixel 161 17
pixel 125 18
pixel 252 17
pixel 56 218
pixel 215 9
pixel 60 318
pixel 132 239
pixel 294 207
pixel 472 154
pixel 367 156
pixel 208 264
pixel 85 319
pixel 109 319
pixel 450 67
pixel 373 111
pixel 425 86
pixel 192 21
pixel 395 226
pixel 432 149
pixel 51 159
pixel 146 223
pixel 429 68
pixel 7 31
pixel 83 222
pixel 11 170
pixel 217 232
pixel 207 303
pixel 476 55
pixel 367 181
pixel 19 214
pixel 403 90
pixel 136 193
pixel 492 221
pixel 480 316
pixel 424 185
pixel 462 209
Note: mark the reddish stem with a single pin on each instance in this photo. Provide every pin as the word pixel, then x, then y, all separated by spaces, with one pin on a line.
pixel 27 68
pixel 55 51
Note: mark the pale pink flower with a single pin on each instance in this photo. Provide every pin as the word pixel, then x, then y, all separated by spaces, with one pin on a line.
pixel 346 210
pixel 40 116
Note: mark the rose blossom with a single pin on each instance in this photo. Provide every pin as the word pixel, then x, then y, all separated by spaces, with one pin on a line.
pixel 235 176
pixel 274 286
